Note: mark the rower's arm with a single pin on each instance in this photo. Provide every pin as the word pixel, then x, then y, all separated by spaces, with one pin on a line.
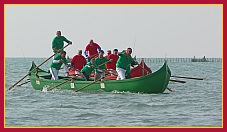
pixel 86 53
pixel 66 40
pixel 99 49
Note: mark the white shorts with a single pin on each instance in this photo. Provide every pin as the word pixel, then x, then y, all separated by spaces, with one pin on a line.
pixel 54 73
pixel 121 73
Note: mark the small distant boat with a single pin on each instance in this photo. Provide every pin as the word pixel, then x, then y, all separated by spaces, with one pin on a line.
pixel 199 60
pixel 156 82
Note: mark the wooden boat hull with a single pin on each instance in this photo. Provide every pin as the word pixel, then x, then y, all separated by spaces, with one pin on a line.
pixel 156 82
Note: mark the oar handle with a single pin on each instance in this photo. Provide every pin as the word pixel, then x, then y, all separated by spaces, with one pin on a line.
pixel 36 67
pixel 92 56
pixel 112 72
pixel 103 63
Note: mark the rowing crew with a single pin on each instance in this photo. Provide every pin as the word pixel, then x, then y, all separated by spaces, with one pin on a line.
pixel 120 62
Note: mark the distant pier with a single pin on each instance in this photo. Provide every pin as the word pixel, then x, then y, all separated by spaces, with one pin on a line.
pixel 178 60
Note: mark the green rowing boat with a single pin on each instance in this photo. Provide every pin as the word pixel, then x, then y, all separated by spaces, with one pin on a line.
pixel 156 82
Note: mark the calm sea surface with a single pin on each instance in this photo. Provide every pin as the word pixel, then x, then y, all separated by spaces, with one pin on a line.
pixel 195 103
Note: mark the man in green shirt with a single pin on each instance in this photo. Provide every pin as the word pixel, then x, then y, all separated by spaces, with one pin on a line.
pixel 55 66
pixel 88 68
pixel 123 64
pixel 58 42
pixel 100 63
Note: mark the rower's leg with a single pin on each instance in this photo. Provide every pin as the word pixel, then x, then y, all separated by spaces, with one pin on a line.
pixel 54 73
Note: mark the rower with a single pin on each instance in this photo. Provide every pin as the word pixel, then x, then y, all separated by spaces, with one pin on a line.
pixel 87 69
pixel 111 66
pixel 101 67
pixel 56 64
pixel 58 42
pixel 123 64
pixel 78 62
pixel 91 50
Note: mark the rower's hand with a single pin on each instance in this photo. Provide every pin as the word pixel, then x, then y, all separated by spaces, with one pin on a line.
pixel 134 63
pixel 106 71
pixel 61 61
pixel 55 50
pixel 73 68
pixel 70 43
pixel 111 60
pixel 59 50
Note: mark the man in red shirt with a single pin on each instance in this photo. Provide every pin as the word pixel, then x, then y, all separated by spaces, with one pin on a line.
pixel 114 57
pixel 108 53
pixel 92 50
pixel 78 62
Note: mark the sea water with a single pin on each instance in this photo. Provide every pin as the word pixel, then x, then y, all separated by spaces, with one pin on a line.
pixel 195 103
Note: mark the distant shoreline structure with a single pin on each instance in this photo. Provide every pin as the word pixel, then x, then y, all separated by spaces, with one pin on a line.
pixel 146 60
pixel 199 60
pixel 180 60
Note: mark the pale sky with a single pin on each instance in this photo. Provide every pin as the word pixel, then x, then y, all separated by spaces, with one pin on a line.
pixel 152 31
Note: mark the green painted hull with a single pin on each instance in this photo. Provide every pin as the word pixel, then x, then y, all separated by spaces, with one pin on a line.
pixel 156 82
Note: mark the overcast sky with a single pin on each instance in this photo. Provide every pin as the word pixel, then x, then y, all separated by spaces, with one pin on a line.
pixel 152 31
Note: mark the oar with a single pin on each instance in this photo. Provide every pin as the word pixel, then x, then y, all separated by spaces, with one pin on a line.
pixel 23 83
pixel 93 81
pixel 36 67
pixel 59 84
pixel 112 72
pixel 92 56
pixel 177 81
pixel 88 84
pixel 169 80
pixel 169 89
pixel 188 77
pixel 103 63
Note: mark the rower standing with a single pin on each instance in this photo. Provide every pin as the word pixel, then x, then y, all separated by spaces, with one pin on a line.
pixel 58 42
pixel 123 64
